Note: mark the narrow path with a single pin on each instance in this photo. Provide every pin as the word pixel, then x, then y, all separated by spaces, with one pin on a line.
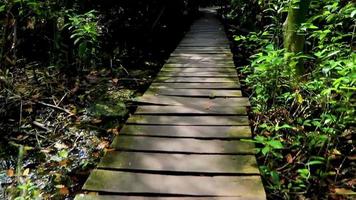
pixel 183 142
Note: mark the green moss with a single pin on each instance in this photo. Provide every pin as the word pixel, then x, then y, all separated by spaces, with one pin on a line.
pixel 111 104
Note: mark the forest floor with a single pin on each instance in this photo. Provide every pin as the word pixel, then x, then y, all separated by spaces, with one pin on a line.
pixel 60 125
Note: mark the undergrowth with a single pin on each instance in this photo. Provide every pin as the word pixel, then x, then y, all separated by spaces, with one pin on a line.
pixel 304 125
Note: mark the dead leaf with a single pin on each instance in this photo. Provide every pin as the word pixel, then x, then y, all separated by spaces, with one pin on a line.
pixel 60 146
pixel 103 144
pixel 64 191
pixel 289 158
pixel 26 172
pixel 28 110
pixel 351 183
pixel 63 162
pixel 344 191
pixel 96 154
pixel 351 157
pixel 10 173
pixel 45 150
pixel 114 131
pixel 336 152
pixel 108 150
pixel 96 121
pixel 115 80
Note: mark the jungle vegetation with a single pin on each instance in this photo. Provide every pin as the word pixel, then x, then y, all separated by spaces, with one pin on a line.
pixel 297 61
pixel 67 69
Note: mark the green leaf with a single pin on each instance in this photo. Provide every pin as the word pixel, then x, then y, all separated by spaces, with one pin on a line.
pixel 2 8
pixel 353 14
pixel 266 150
pixel 276 144
pixel 63 153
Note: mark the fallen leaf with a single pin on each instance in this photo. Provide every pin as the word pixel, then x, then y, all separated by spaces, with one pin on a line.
pixel 289 158
pixel 336 152
pixel 103 144
pixel 45 150
pixel 351 183
pixel 96 154
pixel 351 157
pixel 63 190
pixel 96 121
pixel 108 150
pixel 344 191
pixel 115 80
pixel 10 173
pixel 114 131
pixel 26 172
pixel 63 162
pixel 60 146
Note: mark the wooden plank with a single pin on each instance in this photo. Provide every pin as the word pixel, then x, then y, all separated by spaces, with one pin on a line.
pixel 181 145
pixel 201 55
pixel 187 69
pixel 222 132
pixel 201 73
pixel 204 40
pixel 177 163
pixel 191 110
pixel 210 93
pixel 123 197
pixel 189 120
pixel 244 187
pixel 207 50
pixel 168 79
pixel 205 65
pixel 209 61
pixel 195 63
pixel 197 85
pixel 188 101
pixel 204 44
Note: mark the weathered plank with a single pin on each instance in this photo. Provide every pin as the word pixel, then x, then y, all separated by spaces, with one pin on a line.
pixel 203 49
pixel 213 93
pixel 199 74
pixel 191 110
pixel 204 132
pixel 178 163
pixel 200 55
pixel 187 60
pixel 197 64
pixel 189 120
pixel 189 101
pixel 227 70
pixel 248 187
pixel 193 80
pixel 232 85
pixel 182 145
pixel 211 44
pixel 123 197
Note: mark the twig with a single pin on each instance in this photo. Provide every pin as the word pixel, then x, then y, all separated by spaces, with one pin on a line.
pixel 38 141
pixel 20 121
pixel 56 107
pixel 56 104
pixel 41 126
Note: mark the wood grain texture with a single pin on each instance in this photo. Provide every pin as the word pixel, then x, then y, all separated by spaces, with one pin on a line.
pixel 249 187
pixel 204 132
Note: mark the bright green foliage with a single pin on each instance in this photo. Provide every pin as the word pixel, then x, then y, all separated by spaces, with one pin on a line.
pixel 304 123
pixel 85 31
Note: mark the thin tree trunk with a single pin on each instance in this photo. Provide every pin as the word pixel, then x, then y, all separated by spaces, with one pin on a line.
pixel 294 42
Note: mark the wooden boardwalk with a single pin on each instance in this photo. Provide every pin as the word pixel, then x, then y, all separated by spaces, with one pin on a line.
pixel 183 142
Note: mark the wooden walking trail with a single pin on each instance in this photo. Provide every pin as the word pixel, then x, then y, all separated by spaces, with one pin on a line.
pixel 183 142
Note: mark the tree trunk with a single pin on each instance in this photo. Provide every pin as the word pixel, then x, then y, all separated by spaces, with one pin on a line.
pixel 294 42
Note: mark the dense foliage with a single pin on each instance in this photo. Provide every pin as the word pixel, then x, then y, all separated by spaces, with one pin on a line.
pixel 66 70
pixel 304 120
